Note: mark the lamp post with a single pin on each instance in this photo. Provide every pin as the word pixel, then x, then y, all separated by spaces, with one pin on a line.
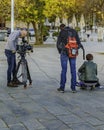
pixel 12 15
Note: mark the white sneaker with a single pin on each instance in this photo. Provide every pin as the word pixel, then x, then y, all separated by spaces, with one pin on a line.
pixel 101 86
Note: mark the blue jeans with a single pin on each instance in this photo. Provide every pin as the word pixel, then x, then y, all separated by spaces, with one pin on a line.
pixel 72 61
pixel 11 59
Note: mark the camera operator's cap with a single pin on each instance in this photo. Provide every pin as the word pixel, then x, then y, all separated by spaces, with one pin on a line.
pixel 23 33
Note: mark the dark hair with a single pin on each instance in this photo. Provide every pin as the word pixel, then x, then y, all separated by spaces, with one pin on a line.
pixel 89 57
pixel 62 26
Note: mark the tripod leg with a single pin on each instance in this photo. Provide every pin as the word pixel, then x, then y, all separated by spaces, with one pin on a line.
pixel 15 75
pixel 24 73
pixel 28 73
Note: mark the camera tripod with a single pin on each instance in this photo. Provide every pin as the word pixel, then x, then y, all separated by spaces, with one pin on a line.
pixel 25 74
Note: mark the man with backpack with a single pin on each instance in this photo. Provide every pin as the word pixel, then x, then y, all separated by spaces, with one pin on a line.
pixel 67 37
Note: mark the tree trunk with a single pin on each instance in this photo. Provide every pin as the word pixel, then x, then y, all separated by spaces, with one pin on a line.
pixel 38 33
pixel 28 32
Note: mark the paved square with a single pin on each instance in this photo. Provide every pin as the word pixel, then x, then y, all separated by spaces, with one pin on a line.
pixel 41 107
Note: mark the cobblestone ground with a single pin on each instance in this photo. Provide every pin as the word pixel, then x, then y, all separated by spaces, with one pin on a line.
pixel 41 107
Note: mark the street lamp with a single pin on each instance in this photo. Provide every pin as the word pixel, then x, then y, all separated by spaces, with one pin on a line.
pixel 12 15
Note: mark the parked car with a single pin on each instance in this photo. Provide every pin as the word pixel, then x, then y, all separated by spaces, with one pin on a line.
pixel 8 31
pixel 3 34
pixel 31 32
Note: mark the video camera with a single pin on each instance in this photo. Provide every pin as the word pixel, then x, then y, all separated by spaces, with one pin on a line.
pixel 24 47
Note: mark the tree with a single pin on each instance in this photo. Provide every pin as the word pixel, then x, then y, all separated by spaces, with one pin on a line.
pixel 94 11
pixel 31 11
pixel 4 10
pixel 59 8
pixel 63 8
pixel 35 12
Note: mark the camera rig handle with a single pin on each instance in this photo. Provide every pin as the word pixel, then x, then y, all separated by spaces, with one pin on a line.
pixel 83 51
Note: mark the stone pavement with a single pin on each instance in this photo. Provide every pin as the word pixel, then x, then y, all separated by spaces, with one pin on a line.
pixel 41 107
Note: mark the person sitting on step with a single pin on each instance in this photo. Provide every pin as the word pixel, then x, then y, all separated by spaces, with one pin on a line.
pixel 88 72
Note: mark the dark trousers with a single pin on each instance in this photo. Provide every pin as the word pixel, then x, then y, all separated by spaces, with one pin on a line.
pixel 72 61
pixel 11 59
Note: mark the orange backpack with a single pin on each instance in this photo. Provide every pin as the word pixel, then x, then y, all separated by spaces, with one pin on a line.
pixel 72 47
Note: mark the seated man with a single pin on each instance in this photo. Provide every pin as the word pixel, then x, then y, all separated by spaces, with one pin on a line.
pixel 88 72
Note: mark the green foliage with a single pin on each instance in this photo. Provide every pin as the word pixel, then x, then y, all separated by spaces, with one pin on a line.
pixel 5 10
pixel 45 31
pixel 37 10
pixel 58 7
pixel 30 10
pixel 77 29
pixel 55 34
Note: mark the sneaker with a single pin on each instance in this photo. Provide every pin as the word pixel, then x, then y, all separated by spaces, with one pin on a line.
pixel 74 91
pixel 97 85
pixel 92 88
pixel 17 82
pixel 83 88
pixel 60 90
pixel 11 85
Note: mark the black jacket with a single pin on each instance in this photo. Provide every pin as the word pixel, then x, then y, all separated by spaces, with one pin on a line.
pixel 63 36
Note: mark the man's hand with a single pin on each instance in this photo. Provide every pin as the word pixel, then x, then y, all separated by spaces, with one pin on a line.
pixel 80 46
pixel 13 51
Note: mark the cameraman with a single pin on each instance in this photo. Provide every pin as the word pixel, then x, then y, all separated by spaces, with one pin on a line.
pixel 10 50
